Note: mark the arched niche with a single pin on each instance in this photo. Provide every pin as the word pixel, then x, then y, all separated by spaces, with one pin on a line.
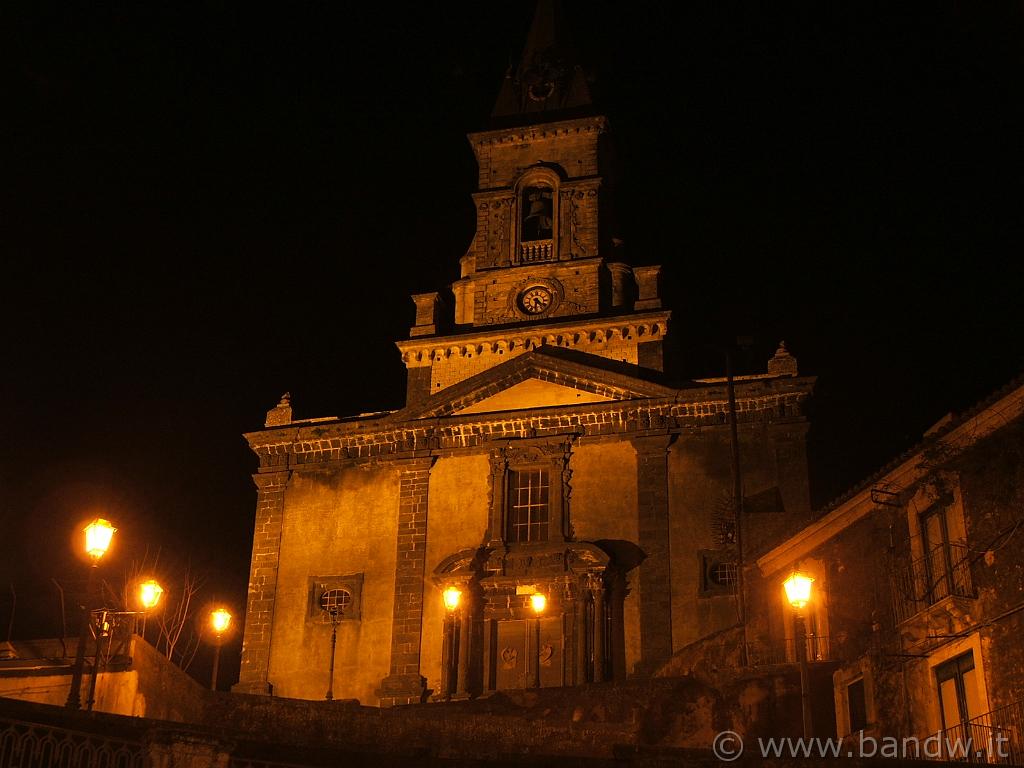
pixel 537 216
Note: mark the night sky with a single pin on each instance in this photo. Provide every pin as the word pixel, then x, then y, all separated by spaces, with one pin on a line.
pixel 204 207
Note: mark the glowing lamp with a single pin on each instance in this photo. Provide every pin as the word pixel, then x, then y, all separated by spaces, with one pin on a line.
pixel 539 602
pixel 149 594
pixel 98 534
pixel 451 598
pixel 220 619
pixel 798 589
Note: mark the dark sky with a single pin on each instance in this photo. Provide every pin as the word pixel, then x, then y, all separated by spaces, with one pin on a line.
pixel 206 206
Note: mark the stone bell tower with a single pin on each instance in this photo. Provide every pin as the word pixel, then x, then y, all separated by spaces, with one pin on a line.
pixel 540 270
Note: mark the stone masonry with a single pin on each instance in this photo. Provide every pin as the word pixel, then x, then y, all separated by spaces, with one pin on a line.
pixel 266 547
pixel 404 684
pixel 652 507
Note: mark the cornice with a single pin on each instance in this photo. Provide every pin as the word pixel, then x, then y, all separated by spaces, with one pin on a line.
pixel 526 133
pixel 387 438
pixel 643 326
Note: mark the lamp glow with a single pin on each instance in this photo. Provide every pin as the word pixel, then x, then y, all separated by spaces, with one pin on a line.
pixel 798 589
pixel 452 596
pixel 539 602
pixel 149 594
pixel 220 619
pixel 98 534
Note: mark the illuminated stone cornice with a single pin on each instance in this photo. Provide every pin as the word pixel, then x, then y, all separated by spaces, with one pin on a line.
pixel 646 326
pixel 392 437
pixel 528 133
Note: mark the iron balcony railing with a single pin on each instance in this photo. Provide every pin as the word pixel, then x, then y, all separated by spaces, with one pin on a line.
pixel 997 737
pixel 943 572
pixel 31 745
pixel 762 654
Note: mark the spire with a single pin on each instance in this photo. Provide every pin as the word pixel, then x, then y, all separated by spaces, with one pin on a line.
pixel 548 79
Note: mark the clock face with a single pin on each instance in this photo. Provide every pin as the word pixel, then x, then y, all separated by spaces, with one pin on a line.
pixel 535 300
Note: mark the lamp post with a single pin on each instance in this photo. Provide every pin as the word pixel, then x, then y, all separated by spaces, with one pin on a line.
pixel 332 603
pixel 452 598
pixel 98 534
pixel 220 620
pixel 538 601
pixel 798 592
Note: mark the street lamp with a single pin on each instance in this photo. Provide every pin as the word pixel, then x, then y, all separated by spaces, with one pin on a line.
pixel 798 593
pixel 220 620
pixel 334 602
pixel 452 597
pixel 150 593
pixel 98 535
pixel 538 601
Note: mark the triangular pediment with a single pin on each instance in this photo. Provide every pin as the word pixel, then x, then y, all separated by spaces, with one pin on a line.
pixel 538 379
pixel 534 393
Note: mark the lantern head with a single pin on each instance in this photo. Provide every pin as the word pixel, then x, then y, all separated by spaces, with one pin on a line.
pixel 98 534
pixel 798 589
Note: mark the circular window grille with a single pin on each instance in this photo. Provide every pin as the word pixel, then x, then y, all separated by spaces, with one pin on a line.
pixel 335 601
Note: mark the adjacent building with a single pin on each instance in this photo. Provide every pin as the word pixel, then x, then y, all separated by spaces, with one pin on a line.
pixel 917 602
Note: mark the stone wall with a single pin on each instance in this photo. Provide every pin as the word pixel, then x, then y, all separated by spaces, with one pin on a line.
pixel 336 522
pixel 142 684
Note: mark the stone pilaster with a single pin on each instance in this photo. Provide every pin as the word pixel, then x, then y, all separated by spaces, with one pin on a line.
pixel 404 683
pixel 655 573
pixel 259 610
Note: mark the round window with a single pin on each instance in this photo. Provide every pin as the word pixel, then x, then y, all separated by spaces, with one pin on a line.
pixel 335 601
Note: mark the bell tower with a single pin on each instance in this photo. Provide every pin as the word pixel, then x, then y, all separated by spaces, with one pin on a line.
pixel 540 269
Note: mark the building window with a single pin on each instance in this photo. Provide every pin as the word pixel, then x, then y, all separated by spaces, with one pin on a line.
pixel 335 602
pixel 857 705
pixel 335 598
pixel 528 511
pixel 946 568
pixel 958 690
pixel 717 573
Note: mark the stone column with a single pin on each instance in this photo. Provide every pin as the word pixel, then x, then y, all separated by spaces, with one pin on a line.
pixel 581 634
pixel 465 630
pixel 655 572
pixel 259 611
pixel 404 683
pixel 597 590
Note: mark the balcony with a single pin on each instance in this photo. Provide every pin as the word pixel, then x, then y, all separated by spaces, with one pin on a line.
pixel 761 654
pixel 993 738
pixel 944 572
pixel 536 251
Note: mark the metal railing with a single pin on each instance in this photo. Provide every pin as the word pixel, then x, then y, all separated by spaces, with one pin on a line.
pixel 536 250
pixel 31 745
pixel 761 654
pixel 997 737
pixel 943 572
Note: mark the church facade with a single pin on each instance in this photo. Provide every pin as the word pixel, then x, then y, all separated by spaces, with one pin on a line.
pixel 548 508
